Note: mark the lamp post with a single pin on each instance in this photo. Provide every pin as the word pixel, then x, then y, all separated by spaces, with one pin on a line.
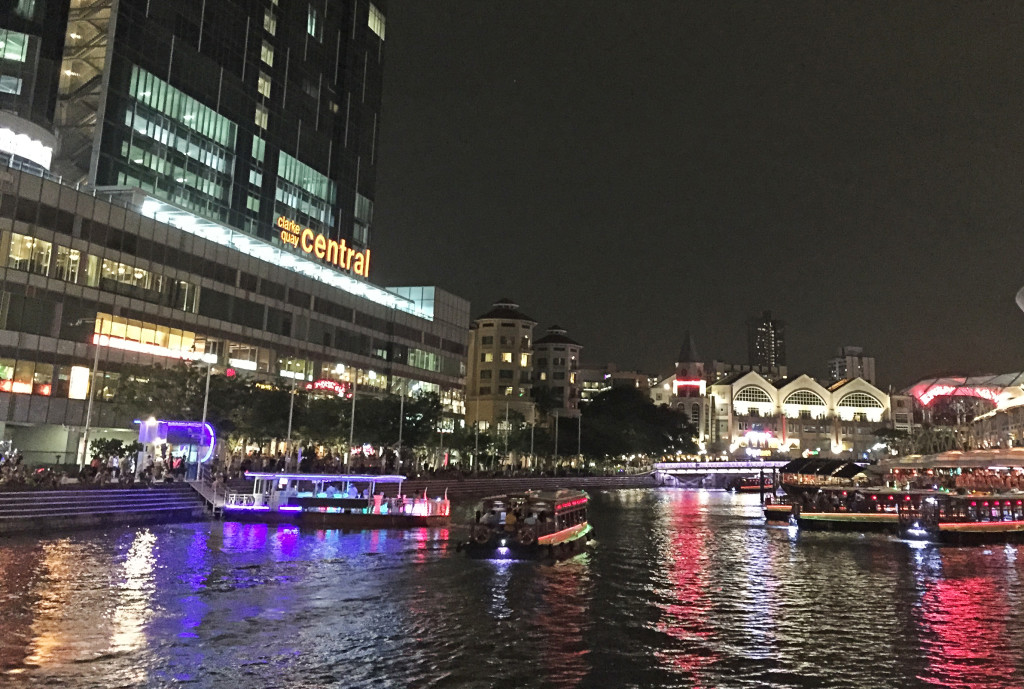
pixel 291 411
pixel 92 393
pixel 352 419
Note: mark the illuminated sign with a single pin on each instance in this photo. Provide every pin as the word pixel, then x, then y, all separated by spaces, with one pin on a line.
pixel 327 250
pixel 339 389
pixel 699 385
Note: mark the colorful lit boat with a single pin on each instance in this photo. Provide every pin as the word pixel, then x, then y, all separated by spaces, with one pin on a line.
pixel 850 509
pixel 531 525
pixel 339 501
pixel 963 519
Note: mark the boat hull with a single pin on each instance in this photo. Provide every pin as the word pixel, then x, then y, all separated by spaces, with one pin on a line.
pixel 493 550
pixel 969 533
pixel 778 513
pixel 848 521
pixel 337 520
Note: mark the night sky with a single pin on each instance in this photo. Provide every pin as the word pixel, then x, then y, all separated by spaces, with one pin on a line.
pixel 633 170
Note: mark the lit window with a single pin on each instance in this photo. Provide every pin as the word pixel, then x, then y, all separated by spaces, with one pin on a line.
pixel 13 46
pixel 263 85
pixel 506 357
pixel 524 360
pixel 259 147
pixel 312 25
pixel 487 357
pixel 376 21
pixel 269 23
pixel 507 391
pixel 262 117
pixel 68 261
pixel 267 54
pixel 253 203
pixel 10 84
pixel 29 253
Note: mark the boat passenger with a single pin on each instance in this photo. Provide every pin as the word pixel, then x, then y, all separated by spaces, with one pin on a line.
pixel 491 518
pixel 531 518
pixel 510 521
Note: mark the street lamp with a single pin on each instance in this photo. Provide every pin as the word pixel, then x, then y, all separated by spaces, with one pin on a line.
pixel 92 389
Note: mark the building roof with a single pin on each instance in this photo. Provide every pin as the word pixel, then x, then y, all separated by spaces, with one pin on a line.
pixel 505 309
pixel 556 335
pixel 688 352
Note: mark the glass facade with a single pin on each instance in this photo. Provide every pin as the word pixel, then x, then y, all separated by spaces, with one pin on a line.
pixel 177 149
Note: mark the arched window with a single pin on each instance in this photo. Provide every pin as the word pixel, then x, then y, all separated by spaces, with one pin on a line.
pixel 752 393
pixel 860 400
pixel 806 398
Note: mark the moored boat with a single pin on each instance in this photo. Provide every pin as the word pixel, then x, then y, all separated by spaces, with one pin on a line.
pixel 850 509
pixel 531 525
pixel 966 519
pixel 343 501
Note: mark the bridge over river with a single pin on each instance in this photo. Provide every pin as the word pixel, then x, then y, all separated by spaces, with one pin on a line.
pixel 711 467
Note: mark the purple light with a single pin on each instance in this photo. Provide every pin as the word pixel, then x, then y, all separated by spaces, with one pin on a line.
pixel 253 508
pixel 290 508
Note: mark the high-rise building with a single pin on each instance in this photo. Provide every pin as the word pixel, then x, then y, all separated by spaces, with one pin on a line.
pixel 210 200
pixel 850 362
pixel 500 365
pixel 257 114
pixel 766 341
pixel 31 41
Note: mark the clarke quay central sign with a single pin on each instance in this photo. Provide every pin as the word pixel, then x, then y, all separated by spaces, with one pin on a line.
pixel 327 250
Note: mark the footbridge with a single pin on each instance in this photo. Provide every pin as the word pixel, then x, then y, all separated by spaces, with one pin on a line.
pixel 705 468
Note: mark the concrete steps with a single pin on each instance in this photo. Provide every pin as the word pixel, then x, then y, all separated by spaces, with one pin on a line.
pixel 69 508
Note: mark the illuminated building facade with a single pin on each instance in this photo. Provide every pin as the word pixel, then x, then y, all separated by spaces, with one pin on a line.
pixel 239 111
pixel 556 363
pixel 750 415
pixel 499 376
pixel 211 199
pixel 31 41
pixel 766 341
pixel 81 270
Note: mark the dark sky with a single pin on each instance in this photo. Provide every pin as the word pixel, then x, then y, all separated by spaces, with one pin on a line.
pixel 631 170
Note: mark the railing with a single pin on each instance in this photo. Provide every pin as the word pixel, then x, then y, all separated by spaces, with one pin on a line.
pixel 207 487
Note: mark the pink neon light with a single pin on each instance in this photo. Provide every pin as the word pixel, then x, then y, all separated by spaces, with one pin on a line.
pixel 926 396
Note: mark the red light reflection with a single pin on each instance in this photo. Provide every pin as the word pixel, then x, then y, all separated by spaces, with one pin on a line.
pixel 686 619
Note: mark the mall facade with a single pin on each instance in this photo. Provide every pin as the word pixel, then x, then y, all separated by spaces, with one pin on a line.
pixel 195 181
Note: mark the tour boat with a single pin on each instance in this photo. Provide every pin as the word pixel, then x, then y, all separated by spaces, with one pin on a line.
pixel 531 525
pixel 848 509
pixel 777 512
pixel 963 519
pixel 344 501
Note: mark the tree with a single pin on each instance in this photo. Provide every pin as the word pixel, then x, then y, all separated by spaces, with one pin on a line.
pixel 624 421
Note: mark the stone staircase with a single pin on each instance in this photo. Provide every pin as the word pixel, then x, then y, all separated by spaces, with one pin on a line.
pixel 67 509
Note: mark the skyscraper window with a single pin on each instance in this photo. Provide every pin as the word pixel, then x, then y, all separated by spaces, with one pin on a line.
pixel 376 21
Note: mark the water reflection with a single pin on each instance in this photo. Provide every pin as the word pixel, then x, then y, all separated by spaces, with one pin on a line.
pixel 686 612
pixel 683 589
pixel 965 621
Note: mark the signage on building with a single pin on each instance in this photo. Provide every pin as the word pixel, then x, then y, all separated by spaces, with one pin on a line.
pixel 339 389
pixel 327 250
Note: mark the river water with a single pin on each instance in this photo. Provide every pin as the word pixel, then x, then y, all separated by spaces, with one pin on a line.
pixel 683 589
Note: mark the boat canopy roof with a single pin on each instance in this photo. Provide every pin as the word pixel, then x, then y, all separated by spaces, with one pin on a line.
pixel 955 459
pixel 535 497
pixel 328 478
pixel 813 466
